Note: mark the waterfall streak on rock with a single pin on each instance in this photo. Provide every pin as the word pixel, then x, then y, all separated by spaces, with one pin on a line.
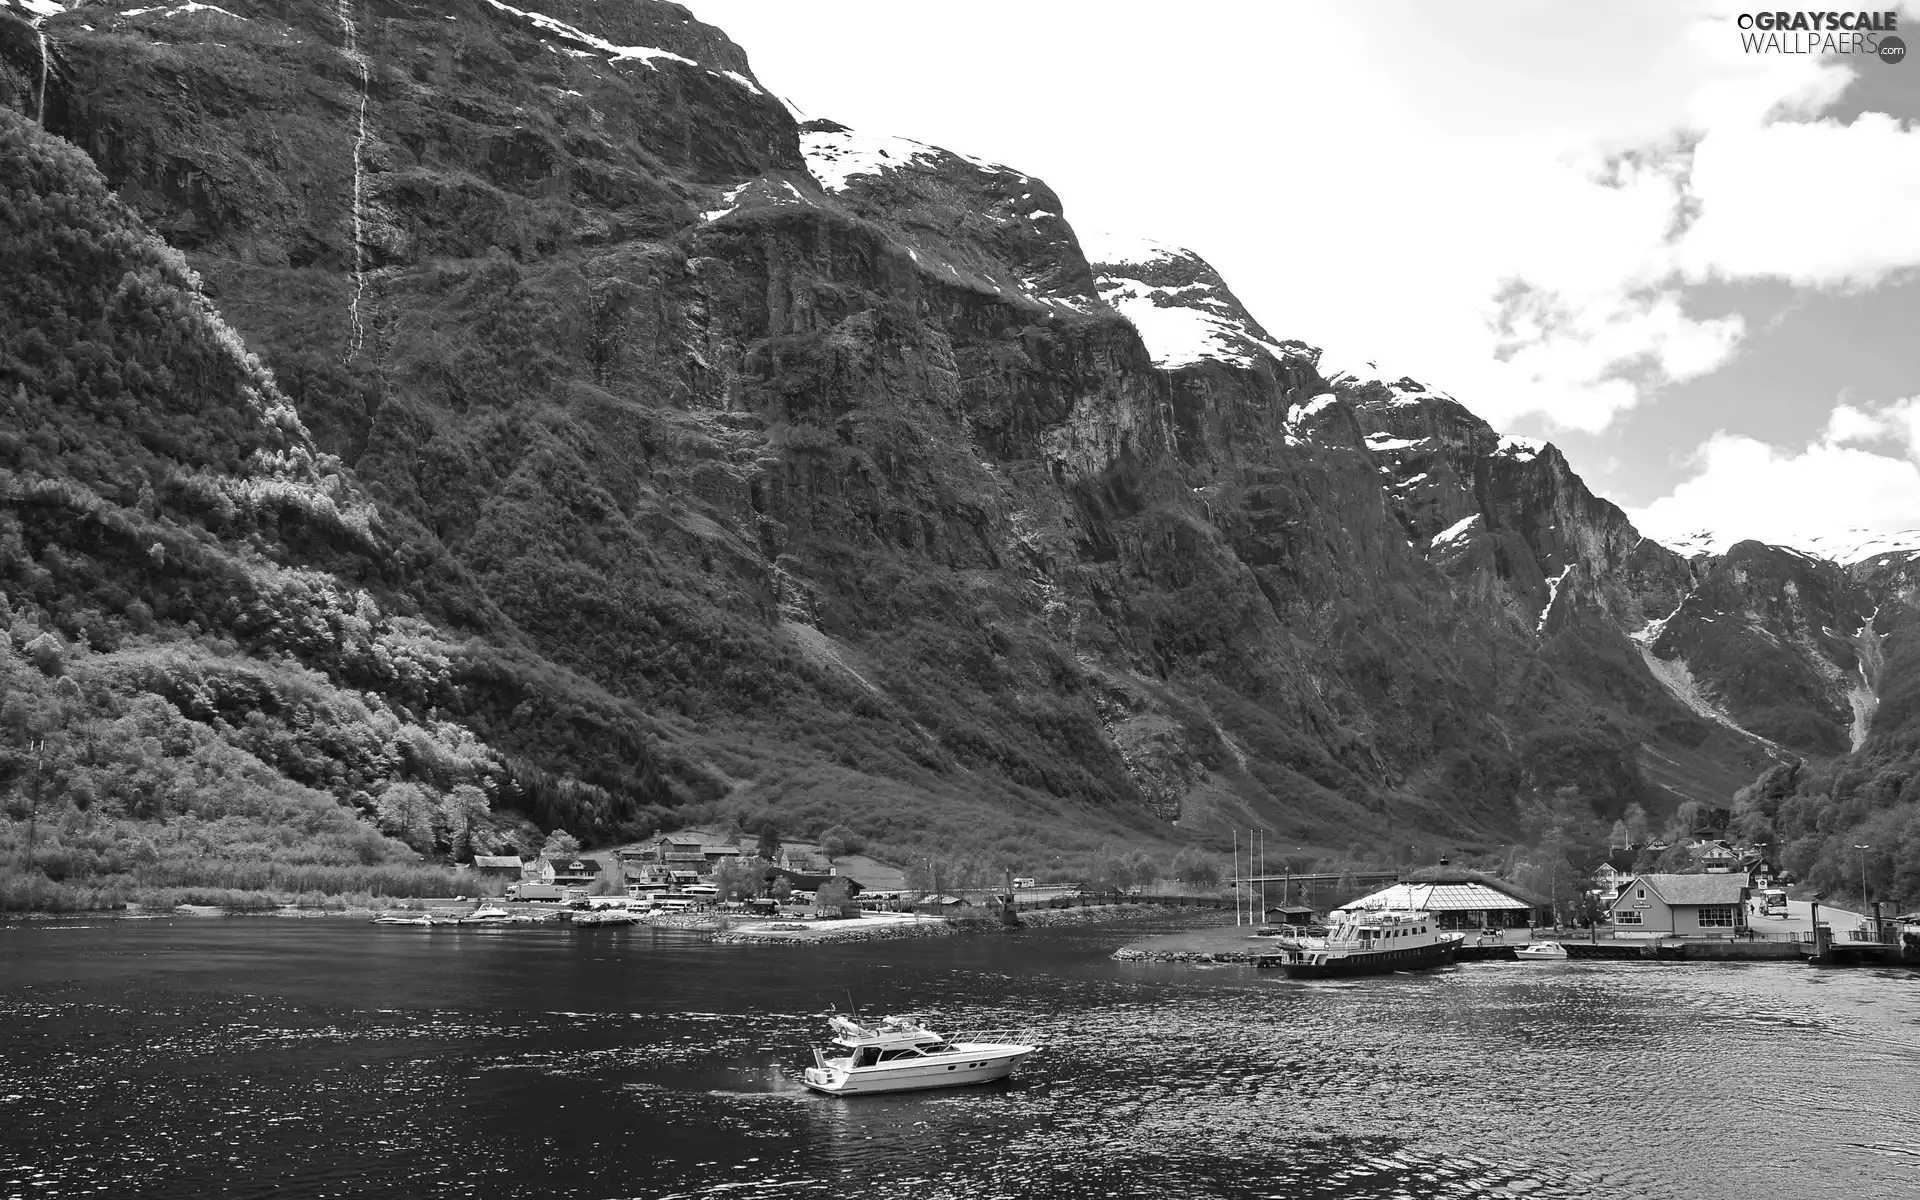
pixel 40 89
pixel 356 333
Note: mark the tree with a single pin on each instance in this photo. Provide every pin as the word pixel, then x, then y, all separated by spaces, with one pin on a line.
pixel 1196 868
pixel 407 811
pixel 839 841
pixel 739 878
pixel 464 806
pixel 1619 838
pixel 1688 819
pixel 560 844
pixel 1637 828
pixel 769 846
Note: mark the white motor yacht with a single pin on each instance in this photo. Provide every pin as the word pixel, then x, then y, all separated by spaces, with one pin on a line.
pixel 899 1054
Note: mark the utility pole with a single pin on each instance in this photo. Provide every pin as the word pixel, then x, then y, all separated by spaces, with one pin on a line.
pixel 1261 873
pixel 1863 878
pixel 39 749
pixel 1236 887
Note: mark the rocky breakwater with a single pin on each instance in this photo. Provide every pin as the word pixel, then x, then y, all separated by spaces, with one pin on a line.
pixel 888 927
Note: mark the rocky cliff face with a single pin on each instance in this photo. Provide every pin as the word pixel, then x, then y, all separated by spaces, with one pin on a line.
pixel 787 470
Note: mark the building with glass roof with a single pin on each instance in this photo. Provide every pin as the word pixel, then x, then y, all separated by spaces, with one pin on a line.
pixel 1481 906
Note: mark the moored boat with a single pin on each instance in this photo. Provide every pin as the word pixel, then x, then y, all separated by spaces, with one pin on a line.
pixel 403 919
pixel 1370 943
pixel 488 915
pixel 899 1054
pixel 1542 950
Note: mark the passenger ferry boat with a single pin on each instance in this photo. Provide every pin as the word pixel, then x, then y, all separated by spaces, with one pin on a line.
pixel 899 1054
pixel 1371 943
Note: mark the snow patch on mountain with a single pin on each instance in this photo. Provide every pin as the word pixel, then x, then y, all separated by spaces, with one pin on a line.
pixel 179 9
pixel 1553 594
pixel 1454 532
pixel 838 156
pixel 1523 449
pixel 1181 323
pixel 1386 441
pixel 616 54
pixel 1178 335
pixel 1863 696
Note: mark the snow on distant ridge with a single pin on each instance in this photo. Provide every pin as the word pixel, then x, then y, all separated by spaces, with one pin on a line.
pixel 1846 547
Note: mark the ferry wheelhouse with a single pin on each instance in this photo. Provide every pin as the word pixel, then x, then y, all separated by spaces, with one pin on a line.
pixel 899 1054
pixel 1363 942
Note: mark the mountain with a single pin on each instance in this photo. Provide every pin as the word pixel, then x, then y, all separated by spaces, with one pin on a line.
pixel 523 401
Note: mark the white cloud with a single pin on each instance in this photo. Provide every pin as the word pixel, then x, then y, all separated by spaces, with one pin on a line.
pixel 1817 203
pixel 1746 488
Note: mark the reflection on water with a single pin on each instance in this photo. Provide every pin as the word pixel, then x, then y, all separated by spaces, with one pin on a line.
pixel 257 1058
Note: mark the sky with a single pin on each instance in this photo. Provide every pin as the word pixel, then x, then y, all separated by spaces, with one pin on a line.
pixel 1694 268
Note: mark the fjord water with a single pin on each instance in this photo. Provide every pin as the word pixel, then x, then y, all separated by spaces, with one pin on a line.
pixel 259 1057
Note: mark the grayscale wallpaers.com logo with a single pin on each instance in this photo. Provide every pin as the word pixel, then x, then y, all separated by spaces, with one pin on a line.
pixel 1823 33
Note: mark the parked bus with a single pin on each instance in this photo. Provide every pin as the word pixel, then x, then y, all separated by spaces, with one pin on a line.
pixel 1773 902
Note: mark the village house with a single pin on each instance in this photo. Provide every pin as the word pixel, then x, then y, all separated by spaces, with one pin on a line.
pixel 1607 879
pixel 497 866
pixel 1714 857
pixel 1484 907
pixel 561 872
pixel 800 881
pixel 945 905
pixel 1686 905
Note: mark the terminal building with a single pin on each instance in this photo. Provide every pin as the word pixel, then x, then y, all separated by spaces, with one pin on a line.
pixel 1483 907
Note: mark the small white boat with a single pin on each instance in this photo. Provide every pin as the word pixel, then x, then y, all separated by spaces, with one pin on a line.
pixel 899 1054
pixel 488 916
pixel 403 919
pixel 1548 950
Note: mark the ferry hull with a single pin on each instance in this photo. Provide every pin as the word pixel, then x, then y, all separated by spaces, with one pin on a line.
pixel 1375 962
pixel 978 1067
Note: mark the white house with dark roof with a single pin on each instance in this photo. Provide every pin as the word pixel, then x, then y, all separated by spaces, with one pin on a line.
pixel 1688 905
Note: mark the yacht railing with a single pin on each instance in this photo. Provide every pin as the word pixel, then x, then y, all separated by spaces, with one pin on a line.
pixel 1018 1037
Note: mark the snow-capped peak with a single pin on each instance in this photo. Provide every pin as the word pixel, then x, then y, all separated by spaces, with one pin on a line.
pixel 1185 315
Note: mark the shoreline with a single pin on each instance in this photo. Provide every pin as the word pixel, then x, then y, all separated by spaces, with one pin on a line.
pixel 795 933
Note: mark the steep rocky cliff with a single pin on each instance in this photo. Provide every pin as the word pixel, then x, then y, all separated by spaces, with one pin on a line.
pixel 735 466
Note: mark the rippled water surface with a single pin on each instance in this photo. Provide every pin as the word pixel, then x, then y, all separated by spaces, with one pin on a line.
pixel 259 1057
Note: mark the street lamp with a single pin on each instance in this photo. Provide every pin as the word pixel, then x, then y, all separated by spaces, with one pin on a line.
pixel 1863 878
